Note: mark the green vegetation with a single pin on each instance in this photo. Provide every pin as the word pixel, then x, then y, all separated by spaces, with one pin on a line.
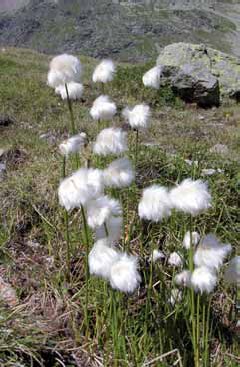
pixel 46 325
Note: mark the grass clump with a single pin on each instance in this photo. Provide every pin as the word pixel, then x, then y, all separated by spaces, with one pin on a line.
pixel 47 327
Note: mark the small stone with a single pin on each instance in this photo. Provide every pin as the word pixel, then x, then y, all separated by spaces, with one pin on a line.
pixel 7 294
pixel 219 149
pixel 33 244
pixel 151 144
pixel 210 171
pixel 2 170
pixel 5 120
pixel 49 137
pixel 191 163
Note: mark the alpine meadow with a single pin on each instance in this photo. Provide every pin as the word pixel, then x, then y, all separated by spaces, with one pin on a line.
pixel 119 230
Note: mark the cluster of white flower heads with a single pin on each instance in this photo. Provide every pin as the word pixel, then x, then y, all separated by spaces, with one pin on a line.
pixel 191 197
pixel 183 278
pixel 175 259
pixel 75 91
pixel 86 186
pixel 101 258
pixel 101 209
pixel 203 280
pixel 104 72
pixel 187 240
pixel 157 255
pixel 211 253
pixel 120 269
pixel 73 145
pixel 82 186
pixel 124 274
pixel 137 117
pixel 103 108
pixel 152 77
pixel 64 69
pixel 111 141
pixel 154 204
pixel 119 173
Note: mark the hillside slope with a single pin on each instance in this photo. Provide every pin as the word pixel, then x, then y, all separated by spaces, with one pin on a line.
pixel 125 30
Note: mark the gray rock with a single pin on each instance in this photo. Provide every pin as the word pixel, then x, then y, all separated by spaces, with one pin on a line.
pixel 200 74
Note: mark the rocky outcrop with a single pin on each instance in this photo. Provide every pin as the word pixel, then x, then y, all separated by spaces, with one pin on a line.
pixel 200 74
pixel 128 30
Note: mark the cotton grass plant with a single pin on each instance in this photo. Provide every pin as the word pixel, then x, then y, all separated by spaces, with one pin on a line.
pixel 180 277
pixel 65 72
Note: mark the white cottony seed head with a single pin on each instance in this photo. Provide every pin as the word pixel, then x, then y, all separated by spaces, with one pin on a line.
pixel 154 204
pixel 64 69
pixel 124 274
pixel 211 253
pixel 191 197
pixel 104 72
pixel 110 141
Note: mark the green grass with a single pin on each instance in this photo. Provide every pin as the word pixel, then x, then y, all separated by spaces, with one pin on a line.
pixel 47 327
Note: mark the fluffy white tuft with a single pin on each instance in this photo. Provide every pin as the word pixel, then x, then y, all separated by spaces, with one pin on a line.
pixel 175 259
pixel 101 258
pixel 232 272
pixel 124 274
pixel 211 253
pixel 176 296
pixel 82 186
pixel 191 197
pixel 104 72
pixel 203 280
pixel 157 255
pixel 183 279
pixel 154 204
pixel 152 77
pixel 187 240
pixel 75 91
pixel 119 173
pixel 138 116
pixel 103 108
pixel 64 69
pixel 114 228
pixel 100 209
pixel 111 141
pixel 73 144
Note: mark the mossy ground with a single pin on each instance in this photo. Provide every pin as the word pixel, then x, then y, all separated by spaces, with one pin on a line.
pixel 45 328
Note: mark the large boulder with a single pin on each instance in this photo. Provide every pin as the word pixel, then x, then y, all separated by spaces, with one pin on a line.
pixel 200 74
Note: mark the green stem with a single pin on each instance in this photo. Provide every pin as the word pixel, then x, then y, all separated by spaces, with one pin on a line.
pixel 203 325
pixel 192 298
pixel 70 111
pixel 68 274
pixel 106 229
pixel 73 128
pixel 136 147
pixel 198 330
pixel 206 337
pixel 64 167
pixel 114 326
pixel 86 239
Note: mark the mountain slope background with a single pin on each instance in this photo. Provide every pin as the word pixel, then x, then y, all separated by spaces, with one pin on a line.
pixel 125 30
